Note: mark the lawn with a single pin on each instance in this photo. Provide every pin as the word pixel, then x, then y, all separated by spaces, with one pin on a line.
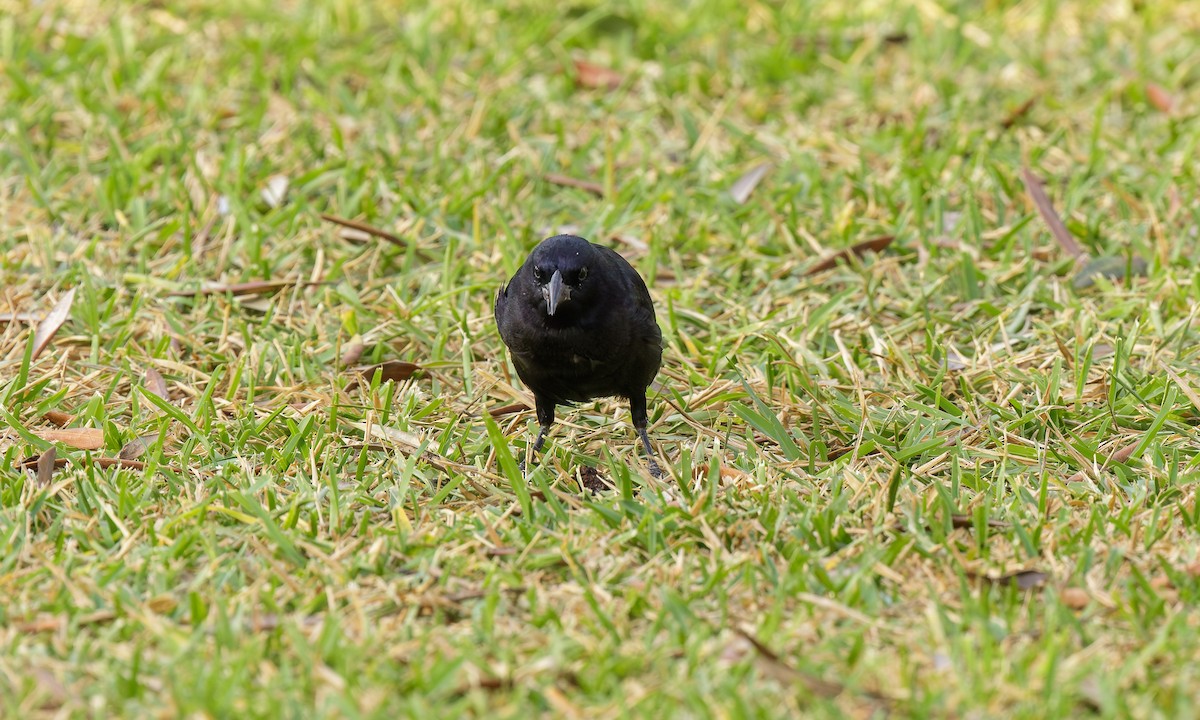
pixel 926 275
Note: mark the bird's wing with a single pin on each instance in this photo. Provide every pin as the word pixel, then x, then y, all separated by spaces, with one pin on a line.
pixel 633 284
pixel 498 308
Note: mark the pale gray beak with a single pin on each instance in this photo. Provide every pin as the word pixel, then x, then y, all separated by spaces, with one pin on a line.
pixel 555 292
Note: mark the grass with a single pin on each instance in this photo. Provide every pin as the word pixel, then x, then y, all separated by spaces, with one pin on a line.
pixel 939 480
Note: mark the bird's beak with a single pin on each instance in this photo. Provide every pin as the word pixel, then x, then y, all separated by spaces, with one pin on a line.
pixel 555 292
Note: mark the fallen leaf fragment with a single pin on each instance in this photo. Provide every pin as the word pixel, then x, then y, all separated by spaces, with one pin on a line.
pixel 591 75
pixel 1045 208
pixel 1022 579
pixel 45 467
pixel 153 381
pixel 568 181
pixel 1115 268
pixel 58 417
pixel 592 480
pixel 162 604
pixel 1119 456
pixel 80 438
pixel 1075 598
pixel 723 471
pixel 508 409
pixel 967 522
pixel 744 186
pixel 352 351
pixel 394 370
pixel 1159 97
pixel 137 447
pixel 52 322
pixel 559 702
pixel 874 244
pixel 53 694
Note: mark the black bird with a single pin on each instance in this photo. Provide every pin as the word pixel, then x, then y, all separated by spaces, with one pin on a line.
pixel 580 324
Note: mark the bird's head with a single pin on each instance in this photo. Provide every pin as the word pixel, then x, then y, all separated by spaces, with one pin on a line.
pixel 559 267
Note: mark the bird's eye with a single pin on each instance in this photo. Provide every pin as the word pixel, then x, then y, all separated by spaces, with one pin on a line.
pixel 582 274
pixel 539 274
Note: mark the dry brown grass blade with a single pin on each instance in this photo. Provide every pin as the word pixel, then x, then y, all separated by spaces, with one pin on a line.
pixel 374 232
pixel 874 244
pixel 1159 98
pixel 777 668
pixel 18 317
pixel 45 466
pixel 1018 113
pixel 255 287
pixel 52 322
pixel 568 181
pixel 1045 208
pixel 591 75
pixel 1187 389
pixel 79 438
pixel 53 623
pixel 270 622
pixel 31 463
pixel 153 380
pixel 744 186
pixel 410 444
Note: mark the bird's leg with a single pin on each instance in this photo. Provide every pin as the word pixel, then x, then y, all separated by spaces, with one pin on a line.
pixel 637 408
pixel 541 439
pixel 545 416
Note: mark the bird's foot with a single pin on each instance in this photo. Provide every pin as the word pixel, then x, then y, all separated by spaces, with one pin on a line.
pixel 655 471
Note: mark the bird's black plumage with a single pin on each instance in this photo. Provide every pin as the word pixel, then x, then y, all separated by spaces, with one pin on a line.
pixel 579 323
